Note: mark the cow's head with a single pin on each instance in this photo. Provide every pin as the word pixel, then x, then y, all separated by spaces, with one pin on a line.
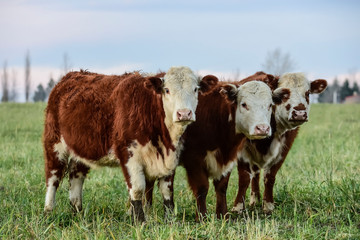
pixel 179 89
pixel 295 111
pixel 254 101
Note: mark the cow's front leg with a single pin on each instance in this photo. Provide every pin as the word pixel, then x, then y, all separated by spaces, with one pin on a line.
pixel 199 185
pixel 149 192
pixel 243 184
pixel 167 191
pixel 269 181
pixel 220 190
pixel 255 186
pixel 135 178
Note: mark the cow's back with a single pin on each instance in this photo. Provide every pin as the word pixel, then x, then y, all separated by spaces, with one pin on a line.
pixel 80 113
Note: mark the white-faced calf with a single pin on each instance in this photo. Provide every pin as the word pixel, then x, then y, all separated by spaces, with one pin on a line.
pixel 270 153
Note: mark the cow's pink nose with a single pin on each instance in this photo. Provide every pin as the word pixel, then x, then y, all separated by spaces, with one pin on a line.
pixel 262 129
pixel 184 115
pixel 299 115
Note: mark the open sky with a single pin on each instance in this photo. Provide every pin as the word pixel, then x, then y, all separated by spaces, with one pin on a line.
pixel 219 37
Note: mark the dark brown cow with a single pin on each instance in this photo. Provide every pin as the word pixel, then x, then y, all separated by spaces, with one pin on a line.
pixel 270 153
pixel 211 144
pixel 130 121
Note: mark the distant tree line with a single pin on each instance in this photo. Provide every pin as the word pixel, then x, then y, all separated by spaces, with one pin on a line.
pixel 8 86
pixel 41 93
pixel 337 93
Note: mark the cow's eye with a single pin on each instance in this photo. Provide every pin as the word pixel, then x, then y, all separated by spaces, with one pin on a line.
pixel 167 91
pixel 244 105
pixel 196 89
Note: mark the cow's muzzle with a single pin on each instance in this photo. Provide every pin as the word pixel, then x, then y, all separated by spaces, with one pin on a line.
pixel 184 115
pixel 262 130
pixel 299 116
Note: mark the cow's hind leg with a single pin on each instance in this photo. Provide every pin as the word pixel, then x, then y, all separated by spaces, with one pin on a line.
pixel 77 175
pixel 55 168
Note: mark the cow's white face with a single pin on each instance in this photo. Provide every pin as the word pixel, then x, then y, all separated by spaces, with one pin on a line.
pixel 254 107
pixel 180 89
pixel 295 111
pixel 180 97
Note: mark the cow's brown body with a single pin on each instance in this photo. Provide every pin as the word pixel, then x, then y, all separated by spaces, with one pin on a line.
pixel 220 140
pixel 98 120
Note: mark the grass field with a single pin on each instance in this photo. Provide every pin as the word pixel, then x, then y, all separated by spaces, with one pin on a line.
pixel 317 192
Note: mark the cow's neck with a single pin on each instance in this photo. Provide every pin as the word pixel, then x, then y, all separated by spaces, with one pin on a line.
pixel 282 127
pixel 175 130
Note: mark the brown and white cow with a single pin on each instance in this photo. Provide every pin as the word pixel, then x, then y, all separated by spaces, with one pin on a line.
pixel 130 121
pixel 270 153
pixel 225 117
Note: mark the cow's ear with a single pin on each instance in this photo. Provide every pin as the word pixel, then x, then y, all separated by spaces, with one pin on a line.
pixel 318 86
pixel 207 83
pixel 229 92
pixel 154 83
pixel 281 95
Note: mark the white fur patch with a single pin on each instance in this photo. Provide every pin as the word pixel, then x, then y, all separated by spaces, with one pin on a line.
pixel 146 161
pixel 256 96
pixel 268 206
pixel 253 199
pixel 216 171
pixel 137 178
pixel 50 192
pixel 239 208
pixel 75 191
pixel 64 153
pixel 164 187
pixel 154 166
pixel 250 155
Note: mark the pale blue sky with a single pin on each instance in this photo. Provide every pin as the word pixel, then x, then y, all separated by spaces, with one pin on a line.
pixel 322 37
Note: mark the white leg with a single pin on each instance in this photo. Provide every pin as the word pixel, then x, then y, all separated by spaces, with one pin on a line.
pixel 137 179
pixel 50 192
pixel 239 208
pixel 75 191
pixel 164 187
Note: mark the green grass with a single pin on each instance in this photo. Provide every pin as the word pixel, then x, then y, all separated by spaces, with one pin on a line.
pixel 317 192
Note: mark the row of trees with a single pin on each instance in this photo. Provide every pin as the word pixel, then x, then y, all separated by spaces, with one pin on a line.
pixel 9 85
pixel 337 93
pixel 10 95
pixel 276 63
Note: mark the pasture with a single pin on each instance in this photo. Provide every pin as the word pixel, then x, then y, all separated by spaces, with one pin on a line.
pixel 317 191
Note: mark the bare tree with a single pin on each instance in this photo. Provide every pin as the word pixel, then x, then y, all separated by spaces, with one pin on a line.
pixel 278 63
pixel 67 65
pixel 5 85
pixel 27 76
pixel 13 92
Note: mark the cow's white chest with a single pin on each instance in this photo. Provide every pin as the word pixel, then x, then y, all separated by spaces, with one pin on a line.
pixel 273 156
pixel 153 163
pixel 216 170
